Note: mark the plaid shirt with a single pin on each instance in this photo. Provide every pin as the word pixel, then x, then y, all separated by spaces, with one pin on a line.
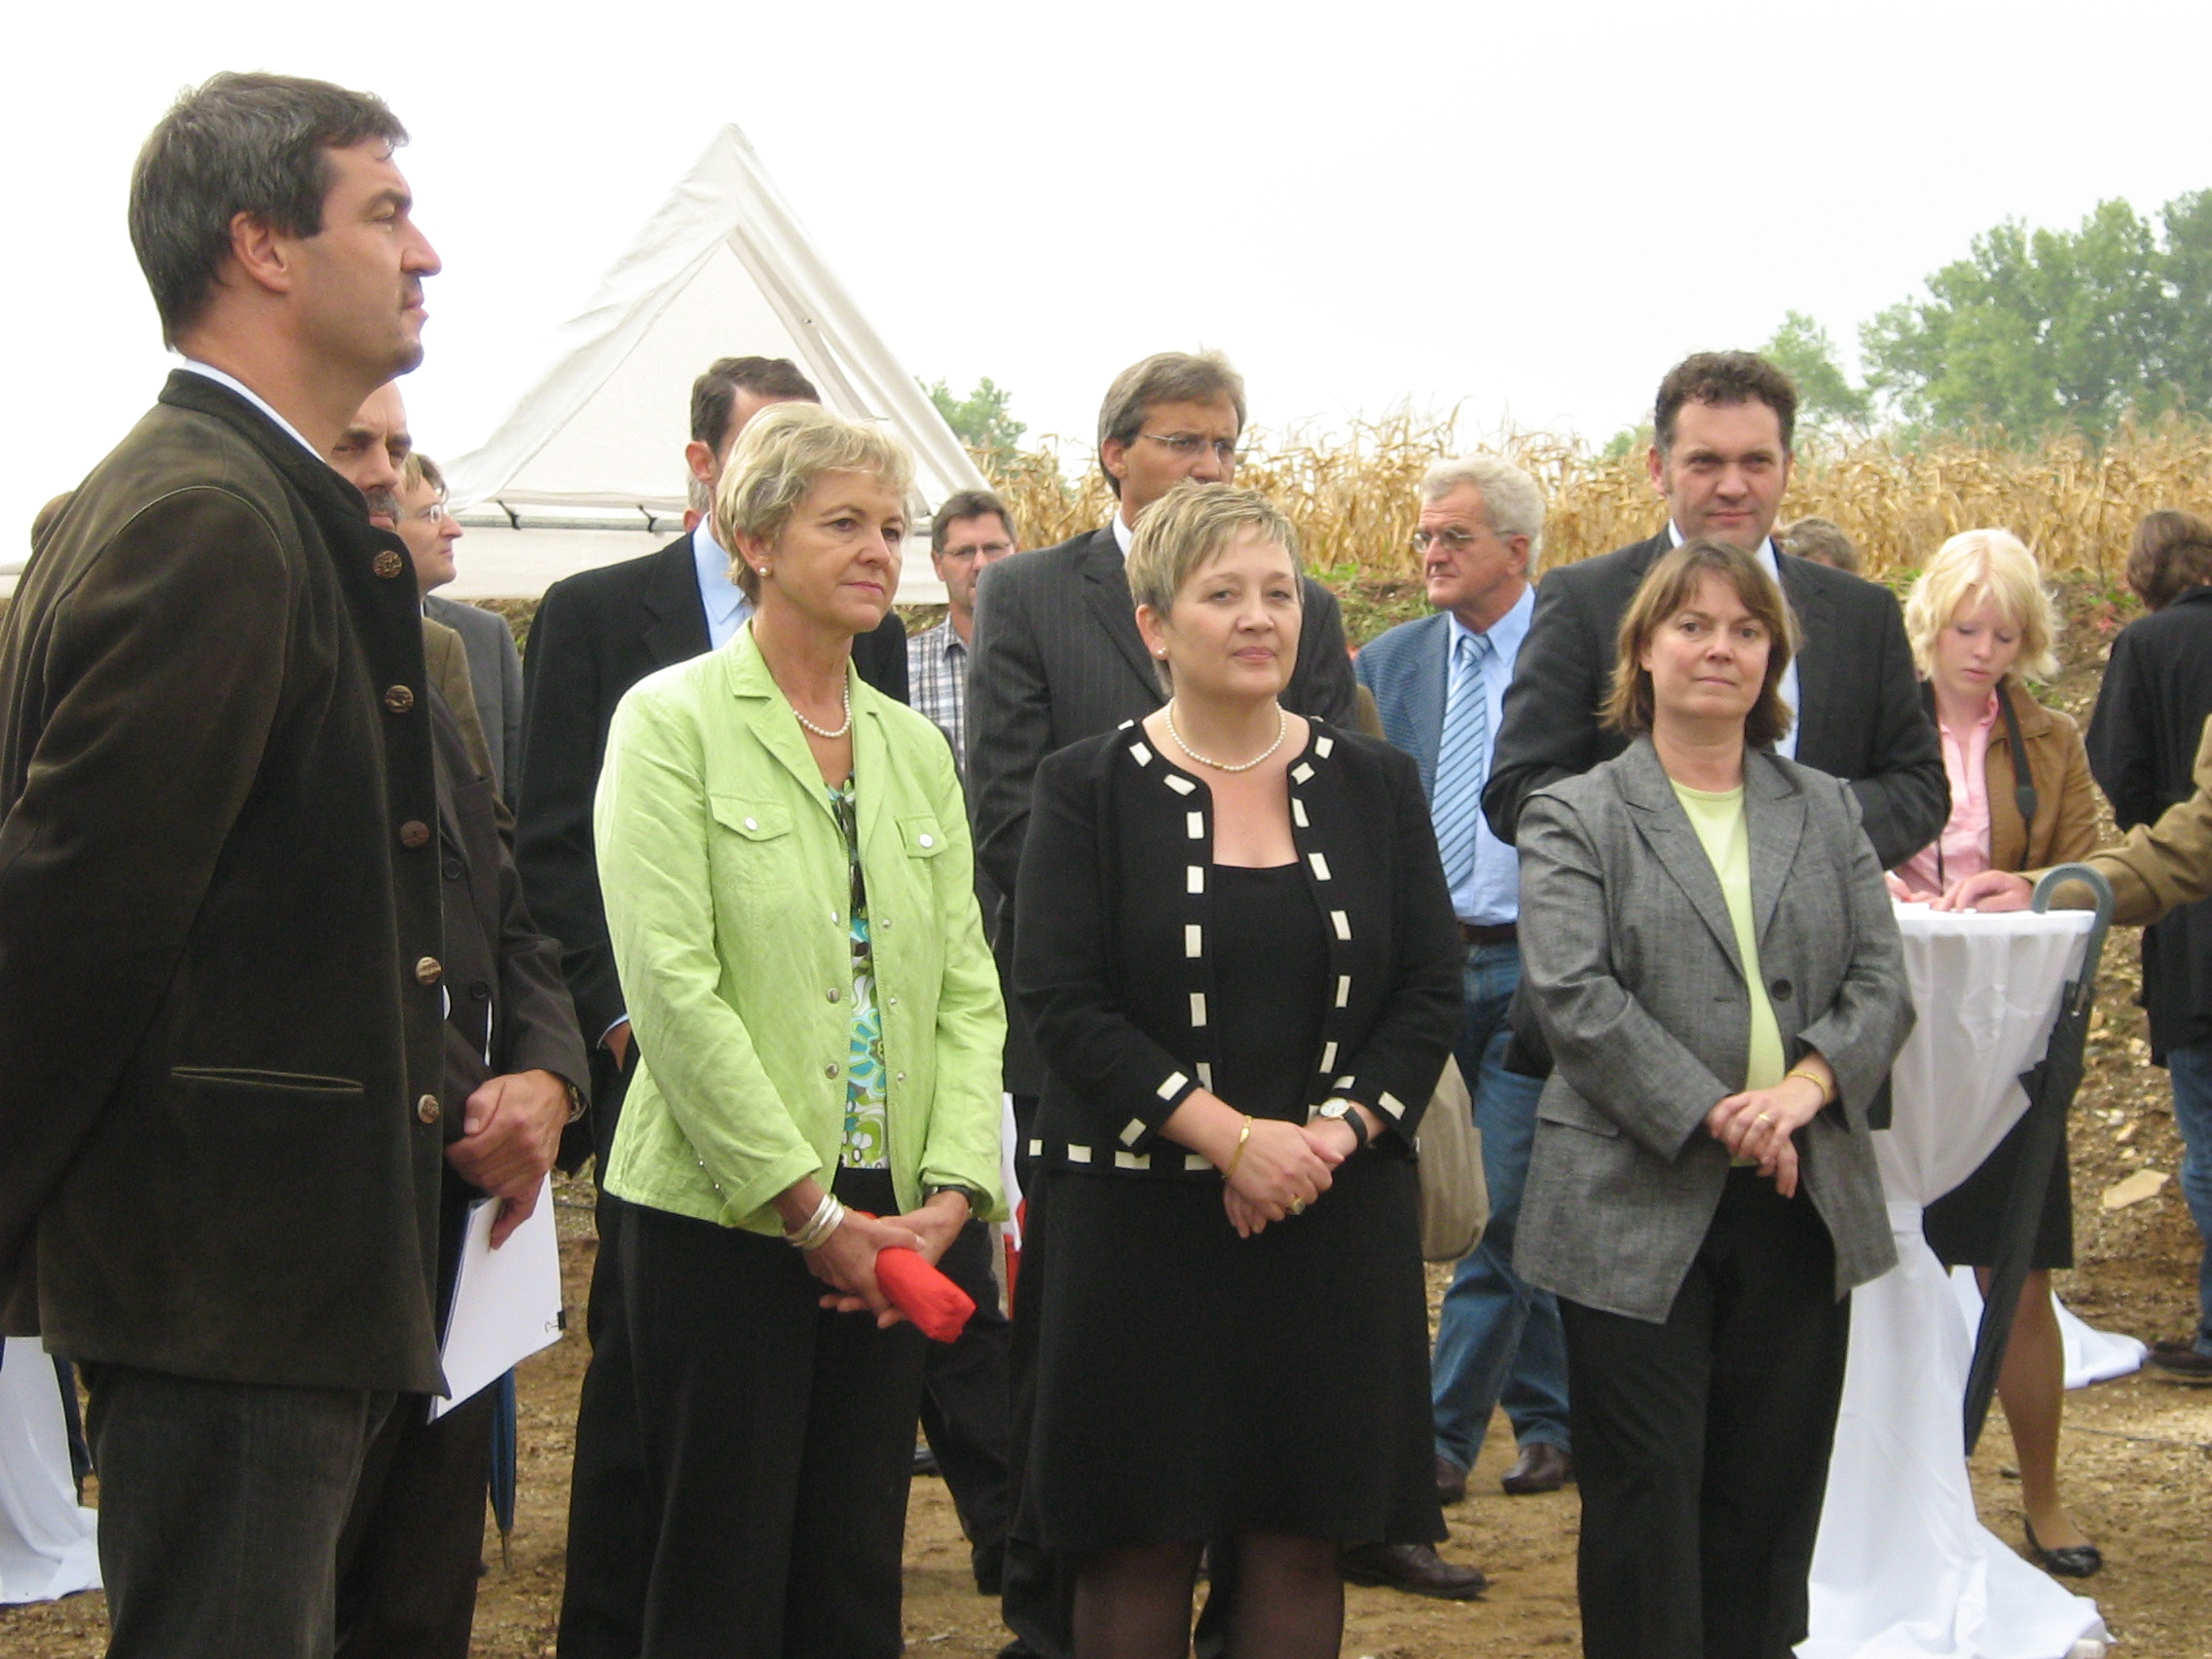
pixel 936 684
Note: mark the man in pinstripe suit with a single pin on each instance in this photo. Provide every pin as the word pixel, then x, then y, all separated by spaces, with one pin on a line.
pixel 1056 657
pixel 1440 683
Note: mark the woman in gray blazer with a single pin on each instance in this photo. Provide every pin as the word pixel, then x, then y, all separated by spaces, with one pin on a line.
pixel 1712 954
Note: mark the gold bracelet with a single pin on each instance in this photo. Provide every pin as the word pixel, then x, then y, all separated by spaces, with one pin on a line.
pixel 1242 1135
pixel 1813 1078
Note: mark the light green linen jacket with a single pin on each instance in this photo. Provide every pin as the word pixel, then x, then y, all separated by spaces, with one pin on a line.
pixel 727 891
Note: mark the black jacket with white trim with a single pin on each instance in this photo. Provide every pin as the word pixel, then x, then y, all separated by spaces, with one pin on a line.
pixel 1113 944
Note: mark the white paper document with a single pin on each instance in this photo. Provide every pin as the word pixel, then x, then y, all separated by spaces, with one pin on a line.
pixel 506 1303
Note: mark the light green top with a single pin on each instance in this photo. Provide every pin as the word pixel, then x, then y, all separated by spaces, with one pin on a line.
pixel 1726 835
pixel 729 895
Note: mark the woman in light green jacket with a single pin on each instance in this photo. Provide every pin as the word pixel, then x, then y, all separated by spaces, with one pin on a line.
pixel 785 856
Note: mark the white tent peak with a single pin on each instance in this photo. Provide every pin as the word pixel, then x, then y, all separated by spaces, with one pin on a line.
pixel 722 269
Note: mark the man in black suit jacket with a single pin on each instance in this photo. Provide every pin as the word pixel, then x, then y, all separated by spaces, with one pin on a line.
pixel 1721 460
pixel 596 635
pixel 1056 657
pixel 219 1137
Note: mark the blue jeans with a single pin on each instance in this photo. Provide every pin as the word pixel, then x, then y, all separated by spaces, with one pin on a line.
pixel 1499 1340
pixel 2191 1071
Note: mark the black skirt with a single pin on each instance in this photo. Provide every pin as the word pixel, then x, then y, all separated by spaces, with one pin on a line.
pixel 1192 1384
pixel 1962 1226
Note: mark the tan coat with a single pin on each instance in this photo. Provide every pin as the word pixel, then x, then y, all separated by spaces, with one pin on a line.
pixel 2065 826
pixel 2163 866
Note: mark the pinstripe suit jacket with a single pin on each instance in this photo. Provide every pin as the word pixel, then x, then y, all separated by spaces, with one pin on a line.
pixel 1631 962
pixel 1056 658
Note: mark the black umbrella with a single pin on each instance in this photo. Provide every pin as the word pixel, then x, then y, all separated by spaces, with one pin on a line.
pixel 504 1462
pixel 2050 1088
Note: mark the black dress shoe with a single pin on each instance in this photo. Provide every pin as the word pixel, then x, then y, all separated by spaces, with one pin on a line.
pixel 1540 1468
pixel 2180 1362
pixel 1415 1568
pixel 2075 1561
pixel 1451 1481
pixel 925 1463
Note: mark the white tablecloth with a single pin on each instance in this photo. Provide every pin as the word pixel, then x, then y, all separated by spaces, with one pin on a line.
pixel 48 1543
pixel 1904 1569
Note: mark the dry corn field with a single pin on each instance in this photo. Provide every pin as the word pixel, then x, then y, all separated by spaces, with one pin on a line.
pixel 1354 498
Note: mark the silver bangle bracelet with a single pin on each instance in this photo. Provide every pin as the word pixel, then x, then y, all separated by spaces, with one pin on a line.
pixel 811 1234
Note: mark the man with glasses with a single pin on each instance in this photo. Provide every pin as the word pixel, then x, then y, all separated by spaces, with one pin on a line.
pixel 494 665
pixel 1440 683
pixel 972 532
pixel 1056 657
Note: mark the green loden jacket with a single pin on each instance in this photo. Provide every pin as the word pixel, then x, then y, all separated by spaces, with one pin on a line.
pixel 727 900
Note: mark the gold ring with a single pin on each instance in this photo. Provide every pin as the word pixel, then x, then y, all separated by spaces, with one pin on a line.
pixel 1765 1118
pixel 1298 1206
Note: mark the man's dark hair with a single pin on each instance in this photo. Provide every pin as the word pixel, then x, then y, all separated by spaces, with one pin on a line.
pixel 1724 377
pixel 253 144
pixel 2170 553
pixel 968 504
pixel 715 393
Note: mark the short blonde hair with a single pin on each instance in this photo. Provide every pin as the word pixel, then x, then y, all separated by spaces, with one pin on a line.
pixel 1973 564
pixel 782 454
pixel 1669 585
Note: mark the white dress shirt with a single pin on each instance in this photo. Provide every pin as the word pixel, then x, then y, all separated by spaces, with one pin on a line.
pixel 209 372
pixel 724 600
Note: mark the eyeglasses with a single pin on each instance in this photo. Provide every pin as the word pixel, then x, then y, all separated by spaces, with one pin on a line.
pixel 430 512
pixel 1184 445
pixel 1456 540
pixel 988 549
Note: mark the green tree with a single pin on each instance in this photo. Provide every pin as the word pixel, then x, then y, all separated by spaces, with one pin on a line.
pixel 2040 331
pixel 1827 403
pixel 980 420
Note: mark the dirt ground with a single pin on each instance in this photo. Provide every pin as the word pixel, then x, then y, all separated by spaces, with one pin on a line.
pixel 2137 1458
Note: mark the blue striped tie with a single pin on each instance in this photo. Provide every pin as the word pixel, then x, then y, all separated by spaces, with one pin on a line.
pixel 1463 760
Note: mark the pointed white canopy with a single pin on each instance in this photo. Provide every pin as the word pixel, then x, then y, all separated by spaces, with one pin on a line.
pixel 721 269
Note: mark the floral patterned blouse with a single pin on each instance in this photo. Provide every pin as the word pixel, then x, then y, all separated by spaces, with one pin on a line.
pixel 867 1144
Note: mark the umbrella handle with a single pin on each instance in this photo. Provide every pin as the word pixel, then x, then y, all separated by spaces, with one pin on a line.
pixel 2084 988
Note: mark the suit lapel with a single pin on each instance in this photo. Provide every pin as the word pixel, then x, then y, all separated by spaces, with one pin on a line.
pixel 771 715
pixel 1106 588
pixel 1816 662
pixel 1666 830
pixel 1427 695
pixel 678 629
pixel 1774 810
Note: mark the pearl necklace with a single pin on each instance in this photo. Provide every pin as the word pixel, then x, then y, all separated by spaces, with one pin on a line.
pixel 819 731
pixel 1282 730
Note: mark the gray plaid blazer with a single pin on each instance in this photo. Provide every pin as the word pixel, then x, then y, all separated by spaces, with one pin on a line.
pixel 1633 970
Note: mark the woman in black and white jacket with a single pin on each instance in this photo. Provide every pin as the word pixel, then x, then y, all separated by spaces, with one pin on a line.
pixel 1235 941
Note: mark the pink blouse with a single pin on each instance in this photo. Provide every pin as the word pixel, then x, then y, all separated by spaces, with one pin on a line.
pixel 1965 842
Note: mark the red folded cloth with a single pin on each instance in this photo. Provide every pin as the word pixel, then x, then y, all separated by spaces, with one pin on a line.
pixel 938 1307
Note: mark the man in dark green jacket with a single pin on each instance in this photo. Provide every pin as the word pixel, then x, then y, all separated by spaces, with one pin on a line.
pixel 219 892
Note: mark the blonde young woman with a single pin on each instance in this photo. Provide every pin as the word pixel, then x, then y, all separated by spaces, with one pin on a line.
pixel 1235 941
pixel 2021 798
pixel 785 858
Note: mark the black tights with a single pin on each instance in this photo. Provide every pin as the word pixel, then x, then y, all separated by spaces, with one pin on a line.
pixel 1136 1602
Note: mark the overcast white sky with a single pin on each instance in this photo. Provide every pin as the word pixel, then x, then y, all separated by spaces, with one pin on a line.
pixel 1531 214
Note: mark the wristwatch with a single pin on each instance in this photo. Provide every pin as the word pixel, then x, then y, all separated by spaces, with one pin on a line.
pixel 977 1204
pixel 1347 1112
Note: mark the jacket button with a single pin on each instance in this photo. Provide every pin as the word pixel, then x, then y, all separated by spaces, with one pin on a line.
pixel 388 564
pixel 414 833
pixel 829 1070
pixel 398 699
pixel 835 994
pixel 480 989
pixel 429 971
pixel 926 842
pixel 1780 990
pixel 452 870
pixel 427 1109
pixel 753 823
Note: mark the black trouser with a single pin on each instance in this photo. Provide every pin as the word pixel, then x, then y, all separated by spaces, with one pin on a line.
pixel 410 1557
pixel 604 1594
pixel 221 1510
pixel 779 1442
pixel 1702 1444
pixel 964 1402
